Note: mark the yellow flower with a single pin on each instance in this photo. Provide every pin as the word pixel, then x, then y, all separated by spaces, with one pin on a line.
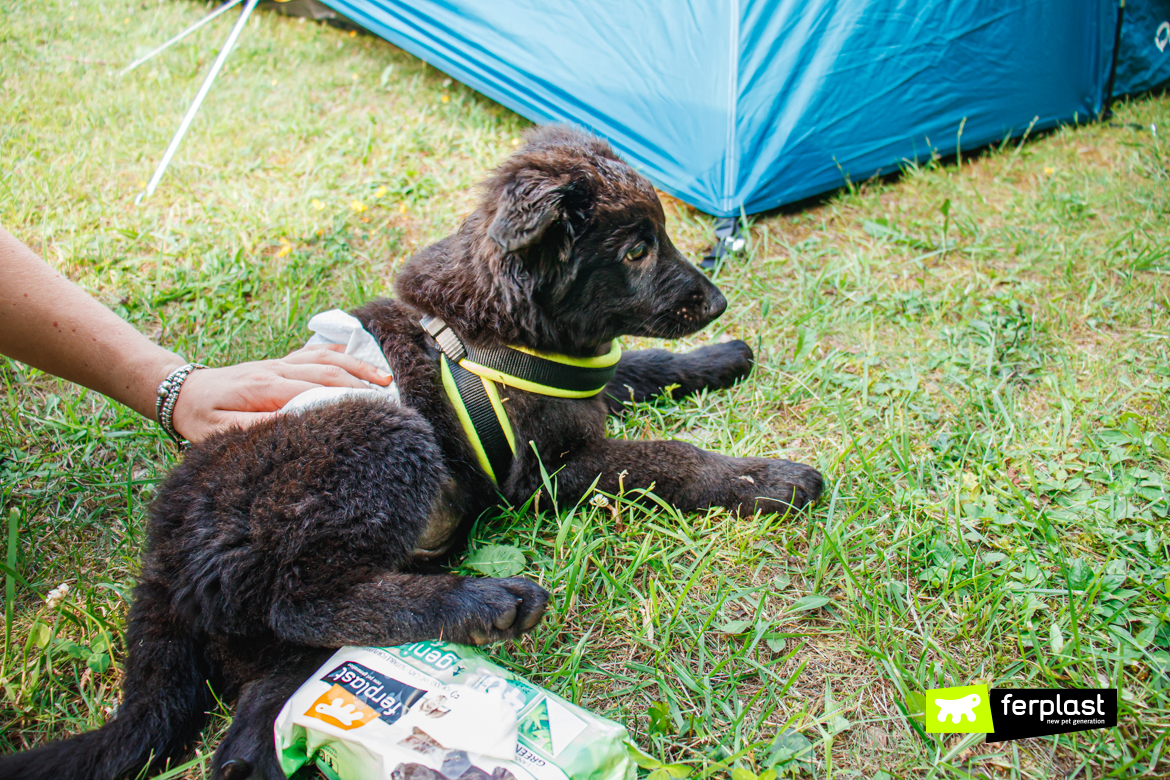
pixel 318 205
pixel 357 206
pixel 402 208
pixel 285 250
pixel 445 99
pixel 1050 171
pixel 378 193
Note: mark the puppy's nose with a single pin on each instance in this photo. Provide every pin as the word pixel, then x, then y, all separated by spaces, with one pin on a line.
pixel 716 305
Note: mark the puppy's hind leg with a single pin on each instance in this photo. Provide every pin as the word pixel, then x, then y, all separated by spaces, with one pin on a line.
pixel 248 750
pixel 165 698
pixel 339 580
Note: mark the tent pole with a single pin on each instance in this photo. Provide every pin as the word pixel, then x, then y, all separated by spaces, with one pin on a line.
pixel 1107 103
pixel 180 36
pixel 195 104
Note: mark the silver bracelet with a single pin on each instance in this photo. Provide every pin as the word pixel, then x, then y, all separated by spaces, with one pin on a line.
pixel 168 396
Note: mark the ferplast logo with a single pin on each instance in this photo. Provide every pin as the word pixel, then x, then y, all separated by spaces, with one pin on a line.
pixel 962 710
pixel 1005 714
pixel 338 707
pixel 360 694
pixel 1020 713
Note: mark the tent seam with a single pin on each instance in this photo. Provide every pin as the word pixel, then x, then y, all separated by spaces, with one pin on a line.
pixel 729 163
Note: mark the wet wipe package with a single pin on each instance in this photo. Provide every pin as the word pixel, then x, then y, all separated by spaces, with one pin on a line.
pixel 439 711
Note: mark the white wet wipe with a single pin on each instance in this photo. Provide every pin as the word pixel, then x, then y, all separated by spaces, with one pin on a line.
pixel 339 327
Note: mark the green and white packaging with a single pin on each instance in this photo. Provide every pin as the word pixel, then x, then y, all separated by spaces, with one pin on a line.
pixel 439 711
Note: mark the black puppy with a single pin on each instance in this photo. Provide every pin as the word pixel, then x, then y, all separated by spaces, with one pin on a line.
pixel 271 546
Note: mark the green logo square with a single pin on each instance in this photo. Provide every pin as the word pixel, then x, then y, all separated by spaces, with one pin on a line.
pixel 962 710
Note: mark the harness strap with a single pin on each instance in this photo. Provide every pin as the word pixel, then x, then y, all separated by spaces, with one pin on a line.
pixel 555 375
pixel 470 375
pixel 478 406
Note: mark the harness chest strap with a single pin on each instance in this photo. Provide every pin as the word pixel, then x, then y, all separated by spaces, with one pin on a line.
pixel 471 375
pixel 477 404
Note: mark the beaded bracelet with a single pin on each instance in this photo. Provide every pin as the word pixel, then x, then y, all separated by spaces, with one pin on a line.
pixel 168 396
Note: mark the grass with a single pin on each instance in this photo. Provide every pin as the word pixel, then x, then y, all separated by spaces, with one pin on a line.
pixel 977 356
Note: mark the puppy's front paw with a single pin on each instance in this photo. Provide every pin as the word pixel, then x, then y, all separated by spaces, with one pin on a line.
pixel 768 485
pixel 496 609
pixel 717 366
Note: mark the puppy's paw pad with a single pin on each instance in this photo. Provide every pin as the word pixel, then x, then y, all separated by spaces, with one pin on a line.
pixel 240 769
pixel 235 769
pixel 247 754
pixel 505 619
pixel 503 608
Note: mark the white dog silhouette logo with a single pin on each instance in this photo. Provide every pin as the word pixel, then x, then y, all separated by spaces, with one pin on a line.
pixel 958 709
pixel 346 713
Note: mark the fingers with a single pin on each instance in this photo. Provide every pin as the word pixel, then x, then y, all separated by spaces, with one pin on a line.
pixel 214 399
pixel 217 398
pixel 334 355
pixel 299 354
pixel 268 393
pixel 317 374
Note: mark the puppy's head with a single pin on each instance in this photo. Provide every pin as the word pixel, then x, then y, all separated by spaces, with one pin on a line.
pixel 568 249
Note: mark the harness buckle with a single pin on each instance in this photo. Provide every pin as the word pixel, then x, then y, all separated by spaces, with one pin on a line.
pixel 448 342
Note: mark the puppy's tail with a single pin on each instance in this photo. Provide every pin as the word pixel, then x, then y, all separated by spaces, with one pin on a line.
pixel 165 701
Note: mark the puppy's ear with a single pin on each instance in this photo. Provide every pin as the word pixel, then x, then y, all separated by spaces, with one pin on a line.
pixel 531 202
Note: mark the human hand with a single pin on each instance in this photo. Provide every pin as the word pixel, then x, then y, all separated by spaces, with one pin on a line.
pixel 213 399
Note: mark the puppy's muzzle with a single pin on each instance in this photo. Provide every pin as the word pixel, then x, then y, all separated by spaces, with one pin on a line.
pixel 703 308
pixel 716 305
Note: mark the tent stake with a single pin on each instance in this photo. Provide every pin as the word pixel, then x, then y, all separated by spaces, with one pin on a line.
pixel 194 109
pixel 180 36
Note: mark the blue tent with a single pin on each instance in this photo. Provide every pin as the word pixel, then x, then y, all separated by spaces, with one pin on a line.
pixel 1144 47
pixel 744 105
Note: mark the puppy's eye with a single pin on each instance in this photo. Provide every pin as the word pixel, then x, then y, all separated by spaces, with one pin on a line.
pixel 638 253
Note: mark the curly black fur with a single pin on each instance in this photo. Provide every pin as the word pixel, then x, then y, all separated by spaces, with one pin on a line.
pixel 273 545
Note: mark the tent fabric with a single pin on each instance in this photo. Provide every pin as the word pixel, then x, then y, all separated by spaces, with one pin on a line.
pixel 745 105
pixel 1143 61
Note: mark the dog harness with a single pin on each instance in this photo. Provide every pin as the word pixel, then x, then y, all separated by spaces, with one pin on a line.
pixel 471 375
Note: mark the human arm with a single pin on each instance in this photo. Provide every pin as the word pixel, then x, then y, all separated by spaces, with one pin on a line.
pixel 50 323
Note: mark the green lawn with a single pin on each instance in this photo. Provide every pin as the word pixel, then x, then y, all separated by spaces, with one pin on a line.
pixel 977 356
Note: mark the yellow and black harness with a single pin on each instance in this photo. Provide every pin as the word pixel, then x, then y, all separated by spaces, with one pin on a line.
pixel 471 375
